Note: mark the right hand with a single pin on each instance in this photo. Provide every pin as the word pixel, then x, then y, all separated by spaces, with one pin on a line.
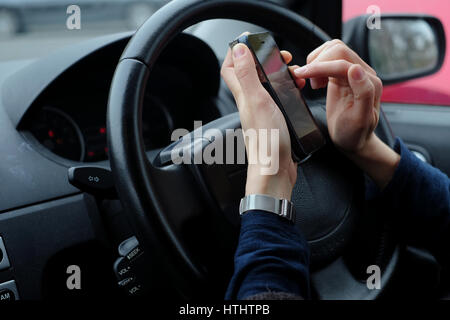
pixel 353 96
pixel 353 107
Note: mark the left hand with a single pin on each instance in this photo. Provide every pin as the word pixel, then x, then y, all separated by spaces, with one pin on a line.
pixel 257 110
pixel 353 107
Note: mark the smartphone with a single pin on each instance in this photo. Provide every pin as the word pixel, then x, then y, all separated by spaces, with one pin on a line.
pixel 276 78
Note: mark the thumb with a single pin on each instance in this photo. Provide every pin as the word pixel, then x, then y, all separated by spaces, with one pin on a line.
pixel 363 91
pixel 245 70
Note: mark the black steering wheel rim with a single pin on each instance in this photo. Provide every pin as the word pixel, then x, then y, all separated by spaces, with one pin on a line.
pixel 132 171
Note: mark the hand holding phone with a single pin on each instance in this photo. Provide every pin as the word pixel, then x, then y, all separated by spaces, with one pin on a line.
pixel 275 77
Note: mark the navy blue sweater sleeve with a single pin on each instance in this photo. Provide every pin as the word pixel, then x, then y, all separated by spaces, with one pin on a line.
pixel 419 198
pixel 272 256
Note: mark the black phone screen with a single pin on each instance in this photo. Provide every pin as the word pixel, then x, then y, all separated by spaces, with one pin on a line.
pixel 276 70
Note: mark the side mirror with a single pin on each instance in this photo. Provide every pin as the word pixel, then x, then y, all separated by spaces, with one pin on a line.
pixel 404 47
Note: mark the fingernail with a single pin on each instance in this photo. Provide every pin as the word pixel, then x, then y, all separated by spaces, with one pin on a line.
pixel 358 73
pixel 238 50
pixel 300 71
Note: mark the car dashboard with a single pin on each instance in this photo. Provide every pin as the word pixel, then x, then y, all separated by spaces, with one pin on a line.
pixel 53 117
pixel 69 117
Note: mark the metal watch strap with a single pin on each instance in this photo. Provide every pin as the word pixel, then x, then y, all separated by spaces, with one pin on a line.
pixel 280 207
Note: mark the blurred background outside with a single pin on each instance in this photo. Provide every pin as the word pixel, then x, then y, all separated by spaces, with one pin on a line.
pixel 35 28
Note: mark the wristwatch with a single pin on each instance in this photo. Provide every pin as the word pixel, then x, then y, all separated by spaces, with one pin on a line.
pixel 280 207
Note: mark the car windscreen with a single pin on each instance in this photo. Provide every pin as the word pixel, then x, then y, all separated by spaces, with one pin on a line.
pixel 30 29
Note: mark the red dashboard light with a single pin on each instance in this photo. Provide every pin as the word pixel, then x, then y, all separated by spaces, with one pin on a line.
pixel 51 134
pixel 102 130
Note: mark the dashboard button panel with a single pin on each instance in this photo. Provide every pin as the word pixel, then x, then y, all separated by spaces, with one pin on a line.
pixel 127 267
pixel 7 295
pixel 8 291
pixel 4 261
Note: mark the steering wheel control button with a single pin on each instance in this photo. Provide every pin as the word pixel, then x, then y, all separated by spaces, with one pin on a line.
pixel 8 291
pixel 134 289
pixel 134 253
pixel 122 268
pixel 127 246
pixel 93 180
pixel 126 282
pixel 4 261
pixel 130 249
pixel 7 295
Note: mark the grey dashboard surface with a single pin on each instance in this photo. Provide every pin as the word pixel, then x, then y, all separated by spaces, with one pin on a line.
pixel 34 234
pixel 26 176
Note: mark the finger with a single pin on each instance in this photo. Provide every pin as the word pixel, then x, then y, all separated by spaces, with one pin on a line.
pixel 378 85
pixel 287 56
pixel 363 93
pixel 340 51
pixel 227 72
pixel 313 55
pixel 326 69
pixel 319 72
pixel 300 82
pixel 228 61
pixel 245 70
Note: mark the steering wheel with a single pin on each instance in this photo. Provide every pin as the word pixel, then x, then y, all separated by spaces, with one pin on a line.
pixel 186 216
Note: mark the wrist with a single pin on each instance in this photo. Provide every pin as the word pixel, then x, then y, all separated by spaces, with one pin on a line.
pixel 279 185
pixel 376 159
pixel 372 144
